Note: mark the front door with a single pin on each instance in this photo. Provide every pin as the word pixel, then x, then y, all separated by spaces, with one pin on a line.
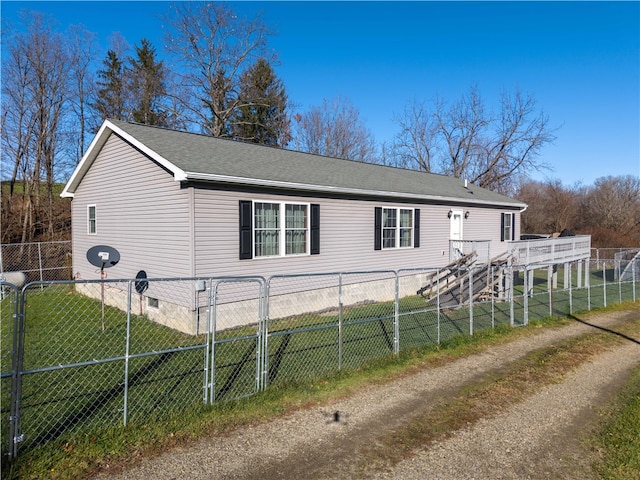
pixel 456 225
pixel 455 236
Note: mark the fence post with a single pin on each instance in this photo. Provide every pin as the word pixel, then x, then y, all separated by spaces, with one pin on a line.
pixel 633 278
pixel 40 260
pixel 470 301
pixel 340 321
pixel 570 289
pixel 511 298
pixel 620 283
pixel 213 295
pixel 15 437
pixel 525 313
pixel 438 301
pixel 550 288
pixel 207 350
pixel 587 282
pixel 493 300
pixel 604 283
pixel 126 355
pixel 396 319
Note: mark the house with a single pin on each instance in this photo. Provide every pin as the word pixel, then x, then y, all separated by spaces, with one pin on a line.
pixel 177 204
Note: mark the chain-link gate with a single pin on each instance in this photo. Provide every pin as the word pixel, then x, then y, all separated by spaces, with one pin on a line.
pixel 237 340
pixel 10 316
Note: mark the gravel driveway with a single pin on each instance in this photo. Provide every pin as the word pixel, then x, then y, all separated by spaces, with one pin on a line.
pixel 538 438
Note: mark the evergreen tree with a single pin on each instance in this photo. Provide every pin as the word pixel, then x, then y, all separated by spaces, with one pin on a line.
pixel 261 116
pixel 110 101
pixel 147 86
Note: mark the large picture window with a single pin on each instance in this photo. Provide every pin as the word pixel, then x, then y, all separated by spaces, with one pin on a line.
pixel 274 229
pixel 396 228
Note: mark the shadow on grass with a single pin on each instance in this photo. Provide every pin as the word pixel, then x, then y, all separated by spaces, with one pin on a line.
pixel 249 356
pixel 104 397
pixel 604 329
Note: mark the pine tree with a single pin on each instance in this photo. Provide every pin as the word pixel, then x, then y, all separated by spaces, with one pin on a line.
pixel 261 116
pixel 147 85
pixel 110 102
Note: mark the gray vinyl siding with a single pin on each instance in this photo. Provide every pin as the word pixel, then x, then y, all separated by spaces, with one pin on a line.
pixel 486 224
pixel 346 236
pixel 141 211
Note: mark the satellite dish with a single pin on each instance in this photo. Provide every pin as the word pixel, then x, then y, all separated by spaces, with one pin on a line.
pixel 141 282
pixel 103 256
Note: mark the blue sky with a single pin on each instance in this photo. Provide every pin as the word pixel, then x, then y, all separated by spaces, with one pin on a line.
pixel 580 60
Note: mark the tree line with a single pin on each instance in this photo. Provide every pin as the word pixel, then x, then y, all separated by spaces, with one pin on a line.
pixel 608 210
pixel 216 76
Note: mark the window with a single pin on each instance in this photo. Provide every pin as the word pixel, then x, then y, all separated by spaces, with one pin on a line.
pixel 267 229
pixel 153 302
pixel 396 228
pixel 508 227
pixel 273 229
pixel 92 226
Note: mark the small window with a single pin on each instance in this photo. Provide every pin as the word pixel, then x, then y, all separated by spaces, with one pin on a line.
pixel 508 231
pixel 92 225
pixel 153 302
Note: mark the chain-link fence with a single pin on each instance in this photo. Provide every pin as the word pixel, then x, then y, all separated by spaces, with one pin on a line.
pixel 81 357
pixel 38 261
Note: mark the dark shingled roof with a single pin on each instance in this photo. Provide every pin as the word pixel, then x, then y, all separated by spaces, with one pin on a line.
pixel 202 157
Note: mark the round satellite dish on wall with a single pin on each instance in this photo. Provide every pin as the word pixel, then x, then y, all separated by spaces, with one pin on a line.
pixel 103 256
pixel 141 282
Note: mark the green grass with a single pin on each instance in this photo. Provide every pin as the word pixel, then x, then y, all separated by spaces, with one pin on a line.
pixel 619 439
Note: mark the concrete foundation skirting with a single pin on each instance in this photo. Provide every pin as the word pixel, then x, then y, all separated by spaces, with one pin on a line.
pixel 175 312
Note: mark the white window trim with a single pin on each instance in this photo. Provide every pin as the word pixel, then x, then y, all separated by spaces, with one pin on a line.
pixel 95 219
pixel 281 229
pixel 397 228
pixel 511 217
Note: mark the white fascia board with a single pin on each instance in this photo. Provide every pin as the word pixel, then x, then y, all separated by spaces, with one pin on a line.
pixel 85 162
pixel 95 146
pixel 328 189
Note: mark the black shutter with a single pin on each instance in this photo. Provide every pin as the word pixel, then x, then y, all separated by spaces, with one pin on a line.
pixel 246 217
pixel 416 228
pixel 377 228
pixel 502 227
pixel 315 229
pixel 513 226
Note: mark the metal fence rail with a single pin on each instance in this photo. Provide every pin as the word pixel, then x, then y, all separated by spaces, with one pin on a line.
pixel 81 357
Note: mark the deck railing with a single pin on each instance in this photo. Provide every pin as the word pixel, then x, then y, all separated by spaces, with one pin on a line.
pixel 551 250
pixel 459 248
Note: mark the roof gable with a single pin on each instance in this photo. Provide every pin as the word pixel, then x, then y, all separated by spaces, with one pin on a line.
pixel 190 156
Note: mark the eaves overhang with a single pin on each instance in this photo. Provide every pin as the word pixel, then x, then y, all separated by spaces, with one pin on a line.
pixel 325 189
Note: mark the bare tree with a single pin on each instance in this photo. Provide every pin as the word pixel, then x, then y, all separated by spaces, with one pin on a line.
pixel 35 92
pixel 82 53
pixel 211 47
pixel 552 207
pixel 336 130
pixel 465 140
pixel 611 209
pixel 412 147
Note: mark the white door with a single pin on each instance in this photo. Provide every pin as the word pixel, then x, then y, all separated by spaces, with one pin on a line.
pixel 456 225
